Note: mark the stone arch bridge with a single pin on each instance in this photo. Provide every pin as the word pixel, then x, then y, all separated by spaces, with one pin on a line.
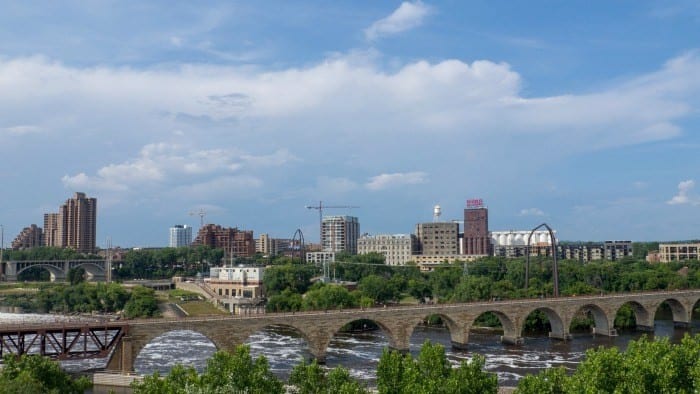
pixel 58 269
pixel 398 323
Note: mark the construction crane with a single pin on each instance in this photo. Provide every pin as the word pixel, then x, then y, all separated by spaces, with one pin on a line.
pixel 320 207
pixel 202 213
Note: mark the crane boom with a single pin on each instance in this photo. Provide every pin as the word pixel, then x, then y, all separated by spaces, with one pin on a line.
pixel 202 213
pixel 320 207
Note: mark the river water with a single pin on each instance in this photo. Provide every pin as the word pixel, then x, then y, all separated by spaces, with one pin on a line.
pixel 359 352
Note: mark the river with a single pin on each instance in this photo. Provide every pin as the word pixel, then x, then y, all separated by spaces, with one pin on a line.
pixel 359 352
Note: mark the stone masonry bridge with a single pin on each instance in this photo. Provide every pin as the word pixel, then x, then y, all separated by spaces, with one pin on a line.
pixel 398 323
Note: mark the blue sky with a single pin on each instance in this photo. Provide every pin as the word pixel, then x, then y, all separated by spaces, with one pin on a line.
pixel 581 114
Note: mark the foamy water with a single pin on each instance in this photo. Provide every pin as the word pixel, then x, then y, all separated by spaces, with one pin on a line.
pixel 360 352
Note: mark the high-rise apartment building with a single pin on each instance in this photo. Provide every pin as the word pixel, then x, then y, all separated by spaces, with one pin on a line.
pixel 438 238
pixel 340 233
pixel 477 240
pixel 180 235
pixel 234 242
pixel 74 226
pixel 30 237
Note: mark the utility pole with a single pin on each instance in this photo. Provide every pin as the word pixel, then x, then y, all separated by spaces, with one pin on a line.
pixel 108 277
pixel 2 249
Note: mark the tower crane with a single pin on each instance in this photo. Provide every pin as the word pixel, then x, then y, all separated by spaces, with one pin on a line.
pixel 202 213
pixel 320 207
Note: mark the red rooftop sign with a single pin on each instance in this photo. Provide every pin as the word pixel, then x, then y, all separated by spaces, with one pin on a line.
pixel 475 203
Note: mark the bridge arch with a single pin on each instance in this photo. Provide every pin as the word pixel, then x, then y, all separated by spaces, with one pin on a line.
pixel 56 273
pixel 602 321
pixel 512 327
pixel 681 313
pixel 93 271
pixel 176 338
pixel 559 329
pixel 643 315
pixel 458 330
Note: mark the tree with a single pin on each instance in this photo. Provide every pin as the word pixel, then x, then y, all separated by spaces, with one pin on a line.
pixel 377 288
pixel 431 373
pixel 142 303
pixel 36 374
pixel 312 379
pixel 234 372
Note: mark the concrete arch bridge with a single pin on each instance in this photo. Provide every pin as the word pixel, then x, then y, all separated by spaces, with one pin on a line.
pixel 398 323
pixel 58 269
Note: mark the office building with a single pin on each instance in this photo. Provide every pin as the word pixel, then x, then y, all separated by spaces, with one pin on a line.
pixel 340 234
pixel 180 235
pixel 74 226
pixel 477 240
pixel 268 246
pixel 397 249
pixel 30 237
pixel 438 238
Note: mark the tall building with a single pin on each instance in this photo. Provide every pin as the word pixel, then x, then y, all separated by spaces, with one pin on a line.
pixel 477 240
pixel 30 237
pixel 397 249
pixel 234 242
pixel 617 249
pixel 340 233
pixel 438 238
pixel 180 235
pixel 74 226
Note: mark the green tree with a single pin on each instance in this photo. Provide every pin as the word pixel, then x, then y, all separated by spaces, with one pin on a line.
pixel 312 379
pixel 36 374
pixel 142 303
pixel 377 288
pixel 234 372
pixel 431 373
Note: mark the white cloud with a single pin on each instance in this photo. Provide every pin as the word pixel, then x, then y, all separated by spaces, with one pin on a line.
pixel 385 181
pixel 408 16
pixel 21 129
pixel 684 195
pixel 531 212
pixel 165 165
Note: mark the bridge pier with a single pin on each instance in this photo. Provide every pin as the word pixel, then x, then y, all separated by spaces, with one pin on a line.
pixel 122 360
pixel 605 332
pixel 562 336
pixel 681 324
pixel 510 340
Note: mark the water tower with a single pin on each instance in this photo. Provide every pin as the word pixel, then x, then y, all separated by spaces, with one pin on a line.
pixel 437 211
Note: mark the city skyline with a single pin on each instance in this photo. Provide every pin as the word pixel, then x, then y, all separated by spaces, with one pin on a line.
pixel 583 115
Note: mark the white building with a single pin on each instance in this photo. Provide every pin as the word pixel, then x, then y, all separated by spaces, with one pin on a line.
pixel 239 289
pixel 180 235
pixel 320 257
pixel 514 243
pixel 340 233
pixel 397 249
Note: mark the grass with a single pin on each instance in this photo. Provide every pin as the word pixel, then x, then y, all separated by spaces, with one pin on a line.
pixel 200 308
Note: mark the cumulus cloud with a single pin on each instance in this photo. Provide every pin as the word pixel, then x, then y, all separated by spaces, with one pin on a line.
pixel 385 181
pixel 409 15
pixel 684 195
pixel 168 164
pixel 531 212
